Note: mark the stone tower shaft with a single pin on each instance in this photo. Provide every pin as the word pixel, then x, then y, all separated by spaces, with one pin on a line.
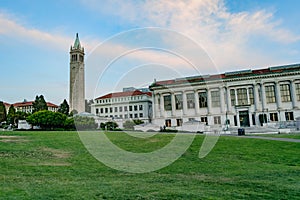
pixel 77 80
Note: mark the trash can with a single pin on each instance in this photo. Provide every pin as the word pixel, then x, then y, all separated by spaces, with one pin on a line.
pixel 241 131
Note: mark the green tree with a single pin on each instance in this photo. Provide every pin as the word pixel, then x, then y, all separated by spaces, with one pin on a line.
pixel 39 104
pixel 47 119
pixel 11 116
pixel 128 125
pixel 111 126
pixel 69 124
pixel 64 108
pixel 85 123
pixel 2 112
pixel 19 115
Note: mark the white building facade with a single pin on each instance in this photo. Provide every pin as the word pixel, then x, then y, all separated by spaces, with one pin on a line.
pixel 237 99
pixel 128 105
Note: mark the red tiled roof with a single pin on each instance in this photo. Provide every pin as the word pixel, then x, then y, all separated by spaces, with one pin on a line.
pixel 6 104
pixel 29 103
pixel 124 94
pixel 235 74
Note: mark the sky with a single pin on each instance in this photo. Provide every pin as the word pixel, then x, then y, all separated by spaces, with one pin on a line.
pixel 131 43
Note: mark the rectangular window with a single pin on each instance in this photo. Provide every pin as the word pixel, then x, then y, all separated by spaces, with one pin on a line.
pixel 130 115
pixel 202 99
pixel 110 109
pixel 141 115
pixel 120 109
pixel 190 100
pixel 274 117
pixel 130 108
pixel 101 110
pixel 167 102
pixel 232 97
pixel 116 109
pixel 97 110
pixel 217 120
pixel 168 123
pixel 242 96
pixel 106 110
pixel 126 116
pixel 204 120
pixel 270 94
pixel 121 116
pixel 178 101
pixel 251 96
pixel 135 107
pixel 289 116
pixel 125 108
pixel 297 88
pixel 215 98
pixel 140 107
pixel 135 115
pixel 285 93
pixel 179 122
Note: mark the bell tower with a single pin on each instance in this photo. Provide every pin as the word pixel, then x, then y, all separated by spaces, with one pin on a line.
pixel 77 85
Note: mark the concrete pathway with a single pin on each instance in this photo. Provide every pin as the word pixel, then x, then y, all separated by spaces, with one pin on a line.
pixel 271 138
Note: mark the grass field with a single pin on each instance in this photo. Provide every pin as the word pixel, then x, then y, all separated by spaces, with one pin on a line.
pixel 55 165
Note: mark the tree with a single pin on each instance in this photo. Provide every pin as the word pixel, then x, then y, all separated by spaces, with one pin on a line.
pixel 128 125
pixel 11 116
pixel 39 104
pixel 64 108
pixel 47 119
pixel 84 123
pixel 69 124
pixel 2 112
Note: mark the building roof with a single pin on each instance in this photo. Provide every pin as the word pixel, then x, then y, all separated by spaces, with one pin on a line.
pixel 29 103
pixel 124 94
pixel 77 43
pixel 6 104
pixel 229 75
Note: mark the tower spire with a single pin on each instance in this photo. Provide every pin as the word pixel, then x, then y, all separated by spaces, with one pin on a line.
pixel 77 42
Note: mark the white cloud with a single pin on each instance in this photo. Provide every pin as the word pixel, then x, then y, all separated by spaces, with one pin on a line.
pixel 224 35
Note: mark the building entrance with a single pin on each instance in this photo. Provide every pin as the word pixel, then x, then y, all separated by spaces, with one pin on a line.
pixel 244 118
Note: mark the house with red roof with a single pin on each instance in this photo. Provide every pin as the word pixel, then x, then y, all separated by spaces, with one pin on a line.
pixel 128 104
pixel 26 106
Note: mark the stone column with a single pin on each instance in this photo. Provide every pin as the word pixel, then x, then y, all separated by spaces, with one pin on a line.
pixel 173 103
pixel 208 101
pixel 248 97
pixel 256 97
pixel 155 107
pixel 184 102
pixel 197 108
pixel 228 99
pixel 250 118
pixel 293 94
pixel 236 97
pixel 263 96
pixel 162 108
pixel 278 97
pixel 222 99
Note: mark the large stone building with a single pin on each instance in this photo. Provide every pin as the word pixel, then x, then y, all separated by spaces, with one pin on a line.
pixel 241 98
pixel 77 81
pixel 129 104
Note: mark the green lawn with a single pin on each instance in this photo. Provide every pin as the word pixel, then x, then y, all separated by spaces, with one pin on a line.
pixel 55 165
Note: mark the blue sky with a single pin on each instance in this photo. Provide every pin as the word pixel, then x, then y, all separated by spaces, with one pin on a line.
pixel 215 35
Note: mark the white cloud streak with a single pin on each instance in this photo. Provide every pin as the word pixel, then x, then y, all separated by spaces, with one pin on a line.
pixel 223 34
